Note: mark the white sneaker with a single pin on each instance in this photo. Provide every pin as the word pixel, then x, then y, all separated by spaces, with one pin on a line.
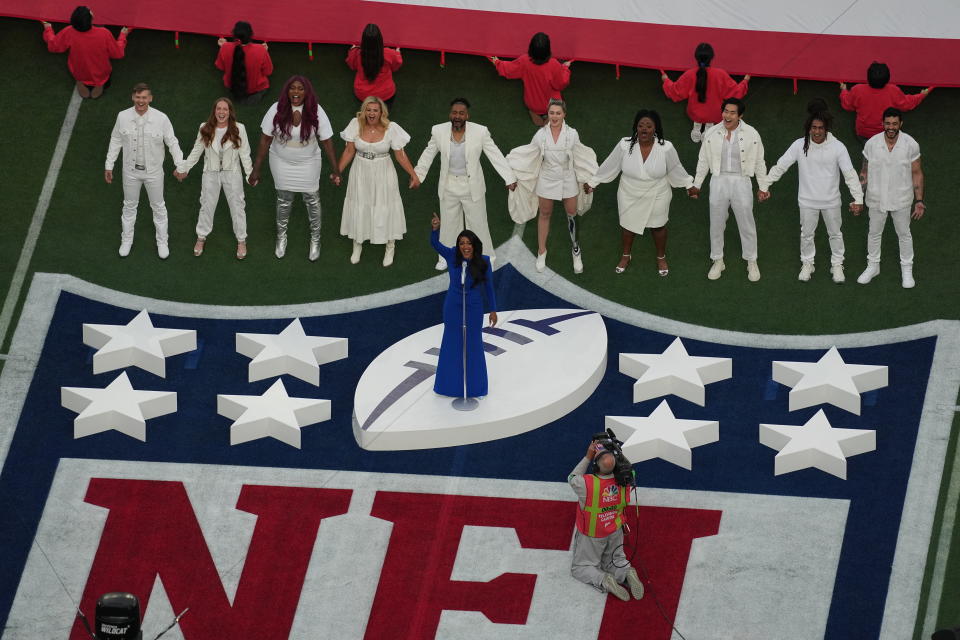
pixel 837 272
pixel 906 275
pixel 716 270
pixel 441 264
pixel 541 262
pixel 355 256
pixel 388 254
pixel 610 585
pixel 125 248
pixel 696 134
pixel 871 272
pixel 753 271
pixel 806 270
pixel 163 251
pixel 578 262
pixel 633 581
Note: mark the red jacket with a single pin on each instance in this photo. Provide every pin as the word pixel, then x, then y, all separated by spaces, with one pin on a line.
pixel 719 87
pixel 258 63
pixel 382 86
pixel 870 103
pixel 540 81
pixel 90 52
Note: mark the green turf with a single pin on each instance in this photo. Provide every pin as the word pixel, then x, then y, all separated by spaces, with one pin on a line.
pixel 81 234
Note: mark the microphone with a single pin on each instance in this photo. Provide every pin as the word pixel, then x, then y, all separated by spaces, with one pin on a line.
pixel 463 273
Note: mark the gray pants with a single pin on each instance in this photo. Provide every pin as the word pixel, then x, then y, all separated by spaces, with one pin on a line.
pixel 593 558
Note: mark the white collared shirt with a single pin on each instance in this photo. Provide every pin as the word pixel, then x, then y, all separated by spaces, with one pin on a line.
pixel 142 145
pixel 730 155
pixel 890 172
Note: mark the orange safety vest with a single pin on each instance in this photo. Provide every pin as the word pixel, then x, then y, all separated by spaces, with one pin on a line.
pixel 602 513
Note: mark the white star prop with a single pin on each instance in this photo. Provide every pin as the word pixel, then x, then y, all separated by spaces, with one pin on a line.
pixel 136 344
pixel 828 381
pixel 291 351
pixel 673 371
pixel 119 406
pixel 816 444
pixel 274 414
pixel 661 435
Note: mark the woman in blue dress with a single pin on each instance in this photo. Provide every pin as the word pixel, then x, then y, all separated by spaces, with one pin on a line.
pixel 467 256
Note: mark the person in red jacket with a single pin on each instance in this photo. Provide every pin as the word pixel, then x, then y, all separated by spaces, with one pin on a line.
pixel 543 76
pixel 246 66
pixel 374 65
pixel 871 99
pixel 703 87
pixel 91 49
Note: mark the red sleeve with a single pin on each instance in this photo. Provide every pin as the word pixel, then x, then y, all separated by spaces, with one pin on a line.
pixel 267 66
pixel 681 89
pixel 221 62
pixel 353 58
pixel 57 42
pixel 392 58
pixel 561 76
pixel 115 47
pixel 512 69
pixel 848 100
pixel 902 101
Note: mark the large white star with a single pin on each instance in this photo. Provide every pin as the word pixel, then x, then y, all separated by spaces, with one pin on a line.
pixel 274 414
pixel 816 444
pixel 136 344
pixel 673 371
pixel 291 351
pixel 661 435
pixel 119 406
pixel 829 380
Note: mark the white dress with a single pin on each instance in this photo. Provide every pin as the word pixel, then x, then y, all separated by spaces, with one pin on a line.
pixel 644 196
pixel 295 165
pixel 557 179
pixel 372 208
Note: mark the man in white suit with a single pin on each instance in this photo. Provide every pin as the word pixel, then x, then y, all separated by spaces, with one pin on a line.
pixel 461 187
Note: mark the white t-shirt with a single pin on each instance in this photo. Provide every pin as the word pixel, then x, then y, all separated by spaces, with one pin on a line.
pixel 889 172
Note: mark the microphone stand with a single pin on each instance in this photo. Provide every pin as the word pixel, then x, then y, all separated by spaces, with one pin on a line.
pixel 464 403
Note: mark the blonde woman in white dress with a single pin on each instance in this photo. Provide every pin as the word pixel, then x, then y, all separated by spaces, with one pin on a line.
pixel 372 209
pixel 552 167
pixel 650 167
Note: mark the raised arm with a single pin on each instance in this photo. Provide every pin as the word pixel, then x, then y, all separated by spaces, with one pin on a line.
pixel 511 69
pixel 680 90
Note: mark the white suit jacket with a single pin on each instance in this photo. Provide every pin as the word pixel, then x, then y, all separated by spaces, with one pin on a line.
pixel 478 141
pixel 228 159
pixel 751 154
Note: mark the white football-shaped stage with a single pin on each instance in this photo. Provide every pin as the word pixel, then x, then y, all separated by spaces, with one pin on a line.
pixel 541 365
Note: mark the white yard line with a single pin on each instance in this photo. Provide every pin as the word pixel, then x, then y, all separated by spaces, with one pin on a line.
pixel 39 214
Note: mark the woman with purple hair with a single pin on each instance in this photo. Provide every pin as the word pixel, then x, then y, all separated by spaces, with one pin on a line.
pixel 293 130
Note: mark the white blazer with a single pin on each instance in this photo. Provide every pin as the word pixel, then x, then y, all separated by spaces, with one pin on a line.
pixel 478 141
pixel 229 157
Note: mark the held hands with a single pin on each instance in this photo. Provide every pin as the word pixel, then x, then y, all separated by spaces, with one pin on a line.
pixel 414 181
pixel 693 192
pixel 108 176
pixel 335 178
pixel 493 317
pixel 179 175
pixel 588 189
pixel 855 208
pixel 512 186
pixel 763 196
pixel 918 210
pixel 434 222
pixel 254 178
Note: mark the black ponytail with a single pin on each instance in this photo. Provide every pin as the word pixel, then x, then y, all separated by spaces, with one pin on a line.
pixel 242 31
pixel 703 55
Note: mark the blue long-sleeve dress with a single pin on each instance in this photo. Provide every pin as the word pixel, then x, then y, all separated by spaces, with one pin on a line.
pixel 449 378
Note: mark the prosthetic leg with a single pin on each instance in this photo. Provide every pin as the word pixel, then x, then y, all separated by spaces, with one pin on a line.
pixel 572 230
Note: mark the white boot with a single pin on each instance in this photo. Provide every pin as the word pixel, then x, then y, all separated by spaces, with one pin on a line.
pixel 871 272
pixel 388 254
pixel 355 256
pixel 906 276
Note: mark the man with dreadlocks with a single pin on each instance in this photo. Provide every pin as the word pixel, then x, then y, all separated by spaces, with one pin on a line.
pixel 821 159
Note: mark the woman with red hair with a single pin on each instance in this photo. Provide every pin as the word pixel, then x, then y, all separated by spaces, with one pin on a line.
pixel 293 130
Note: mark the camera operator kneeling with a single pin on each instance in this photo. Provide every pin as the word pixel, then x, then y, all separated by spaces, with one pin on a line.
pixel 598 557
